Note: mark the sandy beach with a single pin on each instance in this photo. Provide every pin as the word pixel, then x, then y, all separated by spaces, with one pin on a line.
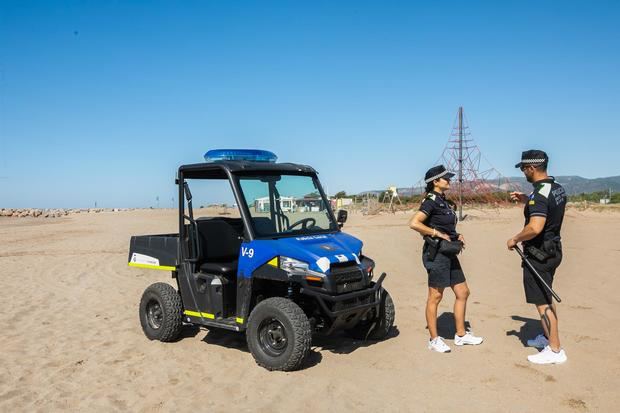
pixel 71 340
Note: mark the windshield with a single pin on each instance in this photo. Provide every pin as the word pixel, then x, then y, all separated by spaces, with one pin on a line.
pixel 286 205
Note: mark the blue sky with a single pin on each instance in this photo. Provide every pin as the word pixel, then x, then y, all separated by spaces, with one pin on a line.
pixel 102 101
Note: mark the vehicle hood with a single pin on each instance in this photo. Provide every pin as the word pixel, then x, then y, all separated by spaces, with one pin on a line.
pixel 319 251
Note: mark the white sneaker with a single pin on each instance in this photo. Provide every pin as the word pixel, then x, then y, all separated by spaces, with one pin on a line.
pixel 539 342
pixel 468 338
pixel 437 344
pixel 548 356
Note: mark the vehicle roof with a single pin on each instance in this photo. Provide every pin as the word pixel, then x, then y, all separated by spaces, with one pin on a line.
pixel 218 169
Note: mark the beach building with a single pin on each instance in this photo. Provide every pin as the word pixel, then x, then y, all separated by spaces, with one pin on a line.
pixel 286 203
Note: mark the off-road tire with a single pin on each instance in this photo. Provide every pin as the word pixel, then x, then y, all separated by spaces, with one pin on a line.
pixel 170 314
pixel 294 324
pixel 376 328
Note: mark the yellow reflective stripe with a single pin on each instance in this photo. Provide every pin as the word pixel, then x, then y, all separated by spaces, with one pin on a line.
pixel 192 313
pixel 273 262
pixel 239 320
pixel 198 314
pixel 152 267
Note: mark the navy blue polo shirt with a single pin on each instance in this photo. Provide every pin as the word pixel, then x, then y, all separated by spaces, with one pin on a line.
pixel 548 200
pixel 440 214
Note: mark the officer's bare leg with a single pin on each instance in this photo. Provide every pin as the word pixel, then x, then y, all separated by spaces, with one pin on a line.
pixel 434 298
pixel 461 291
pixel 549 320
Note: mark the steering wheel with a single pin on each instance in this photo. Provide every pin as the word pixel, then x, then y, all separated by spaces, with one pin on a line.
pixel 303 223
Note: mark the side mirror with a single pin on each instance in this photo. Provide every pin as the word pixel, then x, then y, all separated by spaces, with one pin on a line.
pixel 342 217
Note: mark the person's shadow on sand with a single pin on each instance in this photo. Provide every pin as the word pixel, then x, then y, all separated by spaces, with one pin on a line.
pixel 446 327
pixel 530 329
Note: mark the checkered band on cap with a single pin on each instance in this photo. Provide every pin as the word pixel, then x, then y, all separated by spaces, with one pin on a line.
pixel 541 160
pixel 432 178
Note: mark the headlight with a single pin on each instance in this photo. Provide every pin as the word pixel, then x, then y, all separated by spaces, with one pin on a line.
pixel 291 265
pixel 296 267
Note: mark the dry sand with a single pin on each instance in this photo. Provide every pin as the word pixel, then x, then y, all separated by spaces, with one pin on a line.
pixel 70 338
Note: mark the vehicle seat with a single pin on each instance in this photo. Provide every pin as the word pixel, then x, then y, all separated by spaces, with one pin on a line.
pixel 224 268
pixel 220 241
pixel 263 226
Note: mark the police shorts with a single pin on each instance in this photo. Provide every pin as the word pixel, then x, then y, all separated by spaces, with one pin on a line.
pixel 535 291
pixel 443 271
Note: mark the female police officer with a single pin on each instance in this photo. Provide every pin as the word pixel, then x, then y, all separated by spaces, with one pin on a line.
pixel 436 221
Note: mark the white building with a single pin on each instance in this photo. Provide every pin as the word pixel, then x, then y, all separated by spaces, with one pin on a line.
pixel 287 204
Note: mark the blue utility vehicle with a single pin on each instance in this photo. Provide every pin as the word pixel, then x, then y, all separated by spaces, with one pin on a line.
pixel 280 272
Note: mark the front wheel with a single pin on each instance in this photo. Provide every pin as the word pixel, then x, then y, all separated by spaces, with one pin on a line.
pixel 278 334
pixel 376 326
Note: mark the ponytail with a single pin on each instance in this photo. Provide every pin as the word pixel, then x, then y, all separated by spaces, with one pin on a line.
pixel 429 188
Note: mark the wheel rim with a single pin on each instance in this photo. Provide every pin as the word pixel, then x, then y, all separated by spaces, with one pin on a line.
pixel 154 314
pixel 272 337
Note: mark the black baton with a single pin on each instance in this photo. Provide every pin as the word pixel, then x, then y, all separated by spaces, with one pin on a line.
pixel 531 267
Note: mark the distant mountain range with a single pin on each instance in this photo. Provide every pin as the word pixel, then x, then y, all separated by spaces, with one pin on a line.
pixel 578 185
pixel 573 185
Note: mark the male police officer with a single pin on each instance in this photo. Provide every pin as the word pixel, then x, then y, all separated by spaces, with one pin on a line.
pixel 544 212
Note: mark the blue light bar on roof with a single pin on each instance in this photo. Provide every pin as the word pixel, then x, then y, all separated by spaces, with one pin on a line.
pixel 253 155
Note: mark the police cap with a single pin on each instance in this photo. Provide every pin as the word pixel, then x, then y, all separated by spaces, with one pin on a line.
pixel 437 172
pixel 532 157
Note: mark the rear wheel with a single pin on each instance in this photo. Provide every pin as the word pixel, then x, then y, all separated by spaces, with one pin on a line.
pixel 161 312
pixel 377 326
pixel 278 334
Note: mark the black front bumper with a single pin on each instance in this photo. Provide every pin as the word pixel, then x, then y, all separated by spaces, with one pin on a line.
pixel 345 310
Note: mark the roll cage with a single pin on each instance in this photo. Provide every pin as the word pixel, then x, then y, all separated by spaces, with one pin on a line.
pixel 231 171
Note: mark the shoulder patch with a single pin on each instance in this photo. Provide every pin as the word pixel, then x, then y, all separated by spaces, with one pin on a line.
pixel 545 189
pixel 431 196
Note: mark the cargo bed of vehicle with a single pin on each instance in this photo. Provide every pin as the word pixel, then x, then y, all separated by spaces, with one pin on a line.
pixel 157 252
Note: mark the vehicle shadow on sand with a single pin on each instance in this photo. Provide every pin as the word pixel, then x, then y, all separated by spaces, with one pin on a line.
pixel 531 328
pixel 188 331
pixel 338 343
pixel 237 341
